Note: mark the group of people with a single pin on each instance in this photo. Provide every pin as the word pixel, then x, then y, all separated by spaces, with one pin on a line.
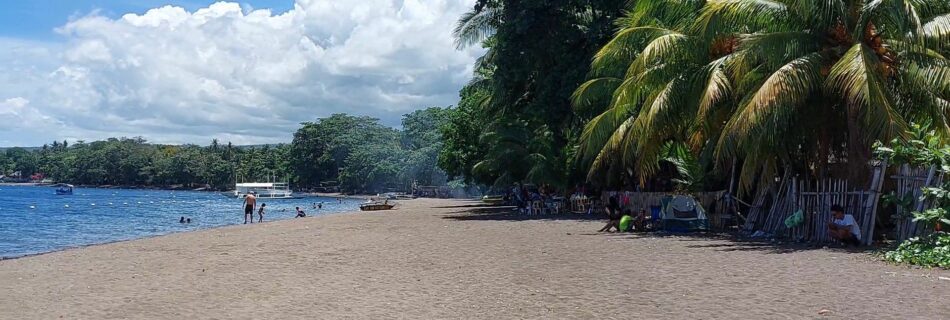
pixel 842 227
pixel 250 203
pixel 522 196
pixel 616 215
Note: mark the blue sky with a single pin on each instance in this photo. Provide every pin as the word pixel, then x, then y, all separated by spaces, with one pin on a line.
pixel 188 71
pixel 37 19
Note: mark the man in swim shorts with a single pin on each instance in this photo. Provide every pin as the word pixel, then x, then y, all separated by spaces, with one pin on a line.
pixel 250 201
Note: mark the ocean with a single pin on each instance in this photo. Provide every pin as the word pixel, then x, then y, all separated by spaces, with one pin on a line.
pixel 35 220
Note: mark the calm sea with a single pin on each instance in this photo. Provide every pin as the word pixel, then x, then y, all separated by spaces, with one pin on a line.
pixel 35 220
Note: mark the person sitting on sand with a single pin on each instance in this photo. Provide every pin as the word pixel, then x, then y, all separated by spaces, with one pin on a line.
pixel 613 215
pixel 843 227
pixel 250 201
pixel 300 213
pixel 260 213
pixel 640 224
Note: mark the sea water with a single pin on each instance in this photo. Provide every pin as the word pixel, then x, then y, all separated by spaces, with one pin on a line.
pixel 35 220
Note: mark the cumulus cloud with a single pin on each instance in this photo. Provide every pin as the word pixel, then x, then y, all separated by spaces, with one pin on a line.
pixel 238 74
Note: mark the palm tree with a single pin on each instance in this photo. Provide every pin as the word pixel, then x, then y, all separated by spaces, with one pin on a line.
pixel 654 82
pixel 781 84
pixel 824 72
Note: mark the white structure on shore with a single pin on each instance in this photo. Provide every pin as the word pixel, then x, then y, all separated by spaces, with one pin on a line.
pixel 264 190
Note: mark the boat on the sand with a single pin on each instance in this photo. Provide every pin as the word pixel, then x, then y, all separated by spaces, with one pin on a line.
pixel 376 206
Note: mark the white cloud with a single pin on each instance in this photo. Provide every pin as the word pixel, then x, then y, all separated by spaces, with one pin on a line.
pixel 247 76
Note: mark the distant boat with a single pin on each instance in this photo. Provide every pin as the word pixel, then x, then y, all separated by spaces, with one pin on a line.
pixel 264 190
pixel 64 189
pixel 376 206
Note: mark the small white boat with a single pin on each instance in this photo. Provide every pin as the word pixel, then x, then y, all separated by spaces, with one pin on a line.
pixel 264 190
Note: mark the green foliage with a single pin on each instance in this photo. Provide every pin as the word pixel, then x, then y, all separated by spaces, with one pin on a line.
pixel 319 150
pixel 923 148
pixel 787 86
pixel 930 251
pixel 514 122
pixel 359 155
pixel 134 162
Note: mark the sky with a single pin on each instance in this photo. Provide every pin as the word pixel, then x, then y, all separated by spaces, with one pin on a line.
pixel 248 72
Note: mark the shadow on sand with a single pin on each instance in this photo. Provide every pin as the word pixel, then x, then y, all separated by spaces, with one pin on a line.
pixel 731 242
pixel 484 212
pixel 719 241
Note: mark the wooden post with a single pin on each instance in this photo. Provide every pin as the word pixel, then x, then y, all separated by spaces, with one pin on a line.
pixel 877 182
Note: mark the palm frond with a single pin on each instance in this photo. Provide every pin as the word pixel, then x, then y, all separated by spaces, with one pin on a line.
pixel 723 17
pixel 766 112
pixel 857 76
pixel 936 32
pixel 594 94
pixel 476 25
pixel 619 52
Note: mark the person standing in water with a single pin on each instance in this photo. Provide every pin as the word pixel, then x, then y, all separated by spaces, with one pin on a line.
pixel 250 202
pixel 260 213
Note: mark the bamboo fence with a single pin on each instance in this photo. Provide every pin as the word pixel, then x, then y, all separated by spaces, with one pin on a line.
pixel 815 198
pixel 909 182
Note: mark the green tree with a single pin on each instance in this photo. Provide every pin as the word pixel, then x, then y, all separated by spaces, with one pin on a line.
pixel 777 85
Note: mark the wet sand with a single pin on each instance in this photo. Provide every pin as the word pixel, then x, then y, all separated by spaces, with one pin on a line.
pixel 443 259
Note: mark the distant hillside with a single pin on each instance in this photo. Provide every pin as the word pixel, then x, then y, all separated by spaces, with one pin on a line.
pixel 243 147
pixel 4 149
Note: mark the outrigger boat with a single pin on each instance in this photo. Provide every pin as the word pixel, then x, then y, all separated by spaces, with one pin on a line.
pixel 264 190
pixel 376 206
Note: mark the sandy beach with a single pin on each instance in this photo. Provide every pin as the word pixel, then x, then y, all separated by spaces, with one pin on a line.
pixel 445 259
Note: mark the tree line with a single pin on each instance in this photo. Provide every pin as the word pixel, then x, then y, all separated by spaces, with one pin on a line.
pixel 341 152
pixel 692 94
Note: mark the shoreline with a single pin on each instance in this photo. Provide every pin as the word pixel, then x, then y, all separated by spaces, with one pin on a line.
pixel 157 188
pixel 85 246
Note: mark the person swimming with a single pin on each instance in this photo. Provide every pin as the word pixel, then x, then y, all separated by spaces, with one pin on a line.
pixel 320 205
pixel 182 220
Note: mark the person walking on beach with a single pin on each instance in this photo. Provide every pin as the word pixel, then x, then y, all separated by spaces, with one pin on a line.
pixel 250 202
pixel 260 213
